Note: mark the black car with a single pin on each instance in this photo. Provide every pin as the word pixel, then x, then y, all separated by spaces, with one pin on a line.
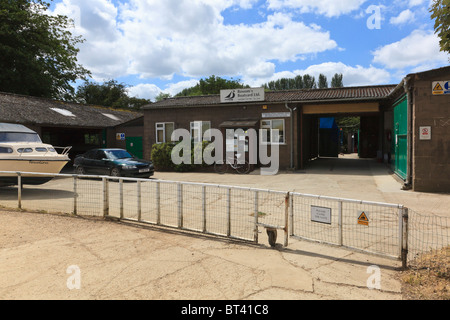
pixel 113 162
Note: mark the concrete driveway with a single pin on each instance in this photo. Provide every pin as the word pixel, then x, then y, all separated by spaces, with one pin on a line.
pixel 45 256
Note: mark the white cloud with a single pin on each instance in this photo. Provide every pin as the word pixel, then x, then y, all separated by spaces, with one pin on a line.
pixel 329 8
pixel 405 16
pixel 419 48
pixel 158 39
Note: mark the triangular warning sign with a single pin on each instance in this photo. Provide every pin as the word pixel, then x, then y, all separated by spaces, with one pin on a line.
pixel 438 87
pixel 363 220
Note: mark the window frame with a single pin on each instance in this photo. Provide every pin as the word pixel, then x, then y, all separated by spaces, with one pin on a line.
pixel 269 127
pixel 199 125
pixel 163 129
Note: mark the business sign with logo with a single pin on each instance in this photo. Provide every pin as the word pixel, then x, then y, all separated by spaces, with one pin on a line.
pixel 242 95
pixel 441 87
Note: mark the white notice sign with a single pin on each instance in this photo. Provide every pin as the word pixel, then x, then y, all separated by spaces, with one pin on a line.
pixel 425 133
pixel 320 214
pixel 242 95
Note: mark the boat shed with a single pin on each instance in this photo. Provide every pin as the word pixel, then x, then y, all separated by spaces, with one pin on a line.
pixel 70 124
pixel 405 125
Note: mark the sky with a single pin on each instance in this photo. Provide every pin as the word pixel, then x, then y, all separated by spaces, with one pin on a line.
pixel 157 46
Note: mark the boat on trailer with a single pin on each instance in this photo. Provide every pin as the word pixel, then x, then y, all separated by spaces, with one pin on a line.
pixel 22 150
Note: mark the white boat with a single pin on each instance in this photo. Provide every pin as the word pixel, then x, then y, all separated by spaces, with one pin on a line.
pixel 22 150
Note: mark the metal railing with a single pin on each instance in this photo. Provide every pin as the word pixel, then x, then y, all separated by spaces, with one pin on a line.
pixel 389 230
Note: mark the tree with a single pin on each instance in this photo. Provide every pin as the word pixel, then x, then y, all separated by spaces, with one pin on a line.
pixel 162 96
pixel 211 85
pixel 440 11
pixel 38 53
pixel 336 81
pixel 323 82
pixel 109 94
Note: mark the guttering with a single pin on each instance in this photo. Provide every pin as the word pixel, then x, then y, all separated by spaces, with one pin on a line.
pixel 291 111
pixel 407 88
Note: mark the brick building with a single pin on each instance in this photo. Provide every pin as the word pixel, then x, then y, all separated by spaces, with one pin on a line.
pixel 384 133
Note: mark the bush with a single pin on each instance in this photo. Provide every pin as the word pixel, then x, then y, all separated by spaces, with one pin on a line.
pixel 162 160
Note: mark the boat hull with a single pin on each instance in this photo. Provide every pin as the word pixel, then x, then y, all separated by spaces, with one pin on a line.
pixel 44 169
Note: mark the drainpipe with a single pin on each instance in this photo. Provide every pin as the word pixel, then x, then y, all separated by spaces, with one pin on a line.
pixel 291 111
pixel 408 182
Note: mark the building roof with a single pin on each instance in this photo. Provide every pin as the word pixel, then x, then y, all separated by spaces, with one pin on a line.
pixel 46 112
pixel 346 94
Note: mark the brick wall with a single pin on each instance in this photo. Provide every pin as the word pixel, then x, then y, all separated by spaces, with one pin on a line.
pixel 431 158
pixel 216 115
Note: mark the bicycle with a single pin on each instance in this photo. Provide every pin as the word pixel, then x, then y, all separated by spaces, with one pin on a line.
pixel 241 166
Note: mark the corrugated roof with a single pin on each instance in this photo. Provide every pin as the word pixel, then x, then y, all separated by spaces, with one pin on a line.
pixel 40 111
pixel 308 95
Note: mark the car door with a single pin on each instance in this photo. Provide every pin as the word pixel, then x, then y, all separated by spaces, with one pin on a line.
pixel 100 163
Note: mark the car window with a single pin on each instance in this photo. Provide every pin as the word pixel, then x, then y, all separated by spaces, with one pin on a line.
pixel 90 154
pixel 118 154
pixel 100 155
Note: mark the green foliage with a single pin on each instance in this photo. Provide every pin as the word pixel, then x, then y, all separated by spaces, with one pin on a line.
pixel 440 11
pixel 323 82
pixel 109 94
pixel 337 81
pixel 162 159
pixel 38 53
pixel 211 85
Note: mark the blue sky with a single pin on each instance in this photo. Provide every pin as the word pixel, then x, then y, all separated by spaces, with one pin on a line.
pixel 168 45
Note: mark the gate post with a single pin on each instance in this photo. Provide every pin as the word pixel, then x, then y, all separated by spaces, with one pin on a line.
pixel 19 190
pixel 404 253
pixel 75 195
pixel 105 197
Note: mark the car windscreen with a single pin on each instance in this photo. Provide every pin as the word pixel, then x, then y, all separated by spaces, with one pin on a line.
pixel 19 137
pixel 117 154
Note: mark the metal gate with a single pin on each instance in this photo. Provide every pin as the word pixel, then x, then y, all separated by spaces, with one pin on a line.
pixel 371 227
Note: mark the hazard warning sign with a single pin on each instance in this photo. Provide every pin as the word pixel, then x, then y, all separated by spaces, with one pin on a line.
pixel 363 218
pixel 441 87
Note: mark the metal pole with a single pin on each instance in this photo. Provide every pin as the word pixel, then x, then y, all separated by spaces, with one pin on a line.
pixel 158 203
pixel 255 236
pixel 19 190
pixel 228 212
pixel 180 205
pixel 286 219
pixel 340 240
pixel 75 195
pixel 204 207
pixel 105 197
pixel 121 197
pixel 405 238
pixel 139 205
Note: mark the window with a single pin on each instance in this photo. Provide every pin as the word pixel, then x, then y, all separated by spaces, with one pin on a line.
pixel 5 150
pixel 268 128
pixel 164 131
pixel 198 129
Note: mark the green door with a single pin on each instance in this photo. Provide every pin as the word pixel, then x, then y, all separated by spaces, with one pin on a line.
pixel 400 137
pixel 134 146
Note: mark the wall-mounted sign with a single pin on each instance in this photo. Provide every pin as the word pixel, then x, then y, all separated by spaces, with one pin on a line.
pixel 242 95
pixel 441 87
pixel 120 136
pixel 425 133
pixel 321 214
pixel 276 115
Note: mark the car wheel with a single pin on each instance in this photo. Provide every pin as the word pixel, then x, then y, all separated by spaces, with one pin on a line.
pixel 115 172
pixel 80 171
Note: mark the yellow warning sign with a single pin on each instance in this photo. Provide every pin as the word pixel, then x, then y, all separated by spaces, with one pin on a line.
pixel 438 87
pixel 363 219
